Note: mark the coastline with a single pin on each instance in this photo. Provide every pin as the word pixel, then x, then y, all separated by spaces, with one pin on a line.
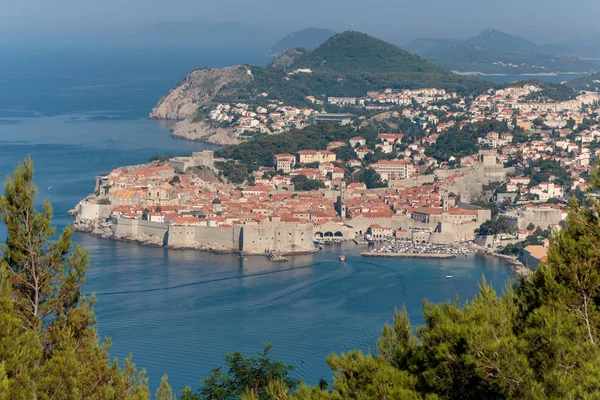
pixel 104 231
pixel 477 73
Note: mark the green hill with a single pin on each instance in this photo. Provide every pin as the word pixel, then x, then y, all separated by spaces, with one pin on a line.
pixel 357 53
pixel 549 91
pixel 351 63
pixel 347 64
pixel 590 82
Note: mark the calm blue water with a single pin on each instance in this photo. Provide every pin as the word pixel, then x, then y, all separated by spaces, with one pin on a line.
pixel 179 312
pixel 554 79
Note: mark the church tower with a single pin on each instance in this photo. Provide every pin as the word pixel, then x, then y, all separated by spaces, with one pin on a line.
pixel 445 201
pixel 341 200
pixel 217 207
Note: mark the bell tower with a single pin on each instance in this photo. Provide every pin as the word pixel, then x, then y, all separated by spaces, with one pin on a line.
pixel 445 201
pixel 341 200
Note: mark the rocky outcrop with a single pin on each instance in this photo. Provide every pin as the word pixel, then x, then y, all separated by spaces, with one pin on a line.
pixel 200 86
pixel 187 129
pixel 287 58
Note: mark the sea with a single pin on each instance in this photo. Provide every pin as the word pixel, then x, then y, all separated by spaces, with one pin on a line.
pixel 79 112
pixel 558 78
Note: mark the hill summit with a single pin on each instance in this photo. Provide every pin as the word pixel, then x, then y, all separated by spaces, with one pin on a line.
pixel 495 40
pixel 353 52
pixel 347 65
pixel 493 51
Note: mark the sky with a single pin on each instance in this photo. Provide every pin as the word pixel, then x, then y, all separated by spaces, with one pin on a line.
pixel 542 21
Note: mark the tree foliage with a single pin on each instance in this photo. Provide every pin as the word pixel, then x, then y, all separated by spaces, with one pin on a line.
pixel 49 347
pixel 303 184
pixel 247 377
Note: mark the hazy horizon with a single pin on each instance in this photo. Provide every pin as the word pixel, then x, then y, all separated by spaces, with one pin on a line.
pixel 540 21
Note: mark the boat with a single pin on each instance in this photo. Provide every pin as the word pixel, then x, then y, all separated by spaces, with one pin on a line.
pixel 342 257
pixel 276 257
pixel 448 276
pixel 49 187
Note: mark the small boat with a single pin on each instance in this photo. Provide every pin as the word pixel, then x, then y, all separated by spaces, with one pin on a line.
pixel 49 187
pixel 448 276
pixel 342 257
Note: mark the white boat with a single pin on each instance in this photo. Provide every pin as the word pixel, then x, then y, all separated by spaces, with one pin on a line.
pixel 448 276
pixel 49 187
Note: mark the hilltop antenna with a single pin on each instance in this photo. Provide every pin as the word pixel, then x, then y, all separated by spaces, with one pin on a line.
pixel 351 26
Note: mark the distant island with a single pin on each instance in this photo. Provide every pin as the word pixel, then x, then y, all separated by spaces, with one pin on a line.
pixel 494 52
pixel 309 38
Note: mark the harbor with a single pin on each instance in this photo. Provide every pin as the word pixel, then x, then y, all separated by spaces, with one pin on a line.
pixel 406 255
pixel 410 249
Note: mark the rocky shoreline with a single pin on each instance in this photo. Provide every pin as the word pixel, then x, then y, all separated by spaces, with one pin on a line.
pixel 104 231
pixel 201 131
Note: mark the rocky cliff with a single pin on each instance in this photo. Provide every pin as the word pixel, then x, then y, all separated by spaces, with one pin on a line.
pixel 287 58
pixel 199 87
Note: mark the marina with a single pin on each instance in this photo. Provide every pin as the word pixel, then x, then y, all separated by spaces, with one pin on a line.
pixel 410 249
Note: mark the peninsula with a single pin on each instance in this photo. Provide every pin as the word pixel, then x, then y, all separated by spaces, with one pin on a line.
pixel 228 105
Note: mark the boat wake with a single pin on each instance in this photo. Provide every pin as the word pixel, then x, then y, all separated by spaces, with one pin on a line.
pixel 227 278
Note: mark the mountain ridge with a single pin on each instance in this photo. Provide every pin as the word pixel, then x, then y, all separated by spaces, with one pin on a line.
pixel 493 51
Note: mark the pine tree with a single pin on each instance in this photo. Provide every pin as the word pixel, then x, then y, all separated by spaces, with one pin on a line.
pixel 164 391
pixel 49 347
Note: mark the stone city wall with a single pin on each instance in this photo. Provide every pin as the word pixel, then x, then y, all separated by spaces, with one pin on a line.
pixel 542 217
pixel 135 229
pixel 93 211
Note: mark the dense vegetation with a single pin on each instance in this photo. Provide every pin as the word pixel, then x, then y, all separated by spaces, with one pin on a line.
pixel 460 142
pixel 542 170
pixel 49 347
pixel 355 53
pixel 588 82
pixel 495 226
pixel 552 92
pixel 260 151
pixel 303 184
pixel 350 64
pixel 247 377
